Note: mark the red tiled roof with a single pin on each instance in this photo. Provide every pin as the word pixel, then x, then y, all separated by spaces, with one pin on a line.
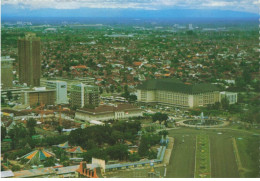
pixel 79 67
pixel 137 63
pixel 76 149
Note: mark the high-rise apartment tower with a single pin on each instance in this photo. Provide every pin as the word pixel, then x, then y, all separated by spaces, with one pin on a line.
pixel 29 59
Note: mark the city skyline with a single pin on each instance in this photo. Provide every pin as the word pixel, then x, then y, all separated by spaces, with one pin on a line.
pixel 130 89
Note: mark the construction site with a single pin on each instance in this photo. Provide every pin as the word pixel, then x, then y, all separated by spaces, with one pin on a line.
pixel 47 117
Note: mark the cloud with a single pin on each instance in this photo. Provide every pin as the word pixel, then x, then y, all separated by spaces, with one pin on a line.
pixel 236 5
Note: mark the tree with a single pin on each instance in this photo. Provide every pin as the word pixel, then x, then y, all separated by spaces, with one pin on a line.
pixel 3 132
pixel 101 90
pixel 49 162
pixel 118 151
pixel 119 89
pixel 59 129
pixel 216 105
pixel 96 153
pixel 112 88
pixel 143 149
pixel 60 153
pixel 9 95
pixel 2 100
pixel 76 137
pixel 152 155
pixel 134 157
pixel 16 168
pixel 17 133
pixel 247 76
pixel 163 133
pixel 159 117
pixel 117 136
pixel 240 82
pixel 225 103
pixel 126 88
pixel 132 98
pixel 31 123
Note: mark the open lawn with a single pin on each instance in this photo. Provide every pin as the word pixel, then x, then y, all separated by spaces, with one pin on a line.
pixel 203 164
pixel 248 150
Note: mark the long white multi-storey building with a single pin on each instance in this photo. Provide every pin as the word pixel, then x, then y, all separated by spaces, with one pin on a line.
pixel 174 93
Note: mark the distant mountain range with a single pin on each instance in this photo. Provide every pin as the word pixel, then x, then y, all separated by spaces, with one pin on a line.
pixel 125 13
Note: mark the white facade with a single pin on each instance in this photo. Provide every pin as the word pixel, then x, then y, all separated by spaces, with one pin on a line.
pixel 61 91
pixel 105 116
pixel 171 98
pixel 231 96
pixel 190 27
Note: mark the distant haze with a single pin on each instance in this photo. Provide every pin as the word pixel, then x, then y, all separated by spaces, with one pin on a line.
pixel 126 13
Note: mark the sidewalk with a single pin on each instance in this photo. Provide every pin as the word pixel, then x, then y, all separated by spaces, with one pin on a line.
pixel 168 151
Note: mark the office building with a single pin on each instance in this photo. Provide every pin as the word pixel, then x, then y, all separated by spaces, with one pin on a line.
pixel 29 60
pixel 174 93
pixel 84 95
pixel 6 72
pixel 37 96
pixel 61 90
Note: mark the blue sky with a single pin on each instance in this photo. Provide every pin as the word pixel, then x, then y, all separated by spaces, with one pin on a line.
pixel 234 5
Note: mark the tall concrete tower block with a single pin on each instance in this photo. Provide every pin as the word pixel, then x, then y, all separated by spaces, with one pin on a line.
pixel 29 58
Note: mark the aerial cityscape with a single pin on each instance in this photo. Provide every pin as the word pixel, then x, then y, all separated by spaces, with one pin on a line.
pixel 130 89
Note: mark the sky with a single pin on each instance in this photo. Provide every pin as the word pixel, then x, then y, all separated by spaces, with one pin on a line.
pixel 251 6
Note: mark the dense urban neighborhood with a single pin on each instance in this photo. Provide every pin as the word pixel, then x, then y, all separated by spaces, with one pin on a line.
pixel 151 100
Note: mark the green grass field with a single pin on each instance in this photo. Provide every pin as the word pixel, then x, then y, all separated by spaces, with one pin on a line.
pixel 248 150
pixel 203 165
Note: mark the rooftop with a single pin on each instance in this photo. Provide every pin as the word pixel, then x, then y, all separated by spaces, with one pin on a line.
pixel 176 86
pixel 105 108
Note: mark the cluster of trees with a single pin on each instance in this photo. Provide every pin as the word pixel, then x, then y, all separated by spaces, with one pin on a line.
pixel 128 96
pixel 17 154
pixel 110 138
pixel 61 155
pixel 94 136
pixel 159 117
pixel 218 108
pixel 147 141
pixel 251 116
pixel 22 135
pixel 115 152
pixel 120 151
pixel 163 133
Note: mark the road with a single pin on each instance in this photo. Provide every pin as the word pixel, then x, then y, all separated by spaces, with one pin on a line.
pixel 223 162
pixel 182 160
